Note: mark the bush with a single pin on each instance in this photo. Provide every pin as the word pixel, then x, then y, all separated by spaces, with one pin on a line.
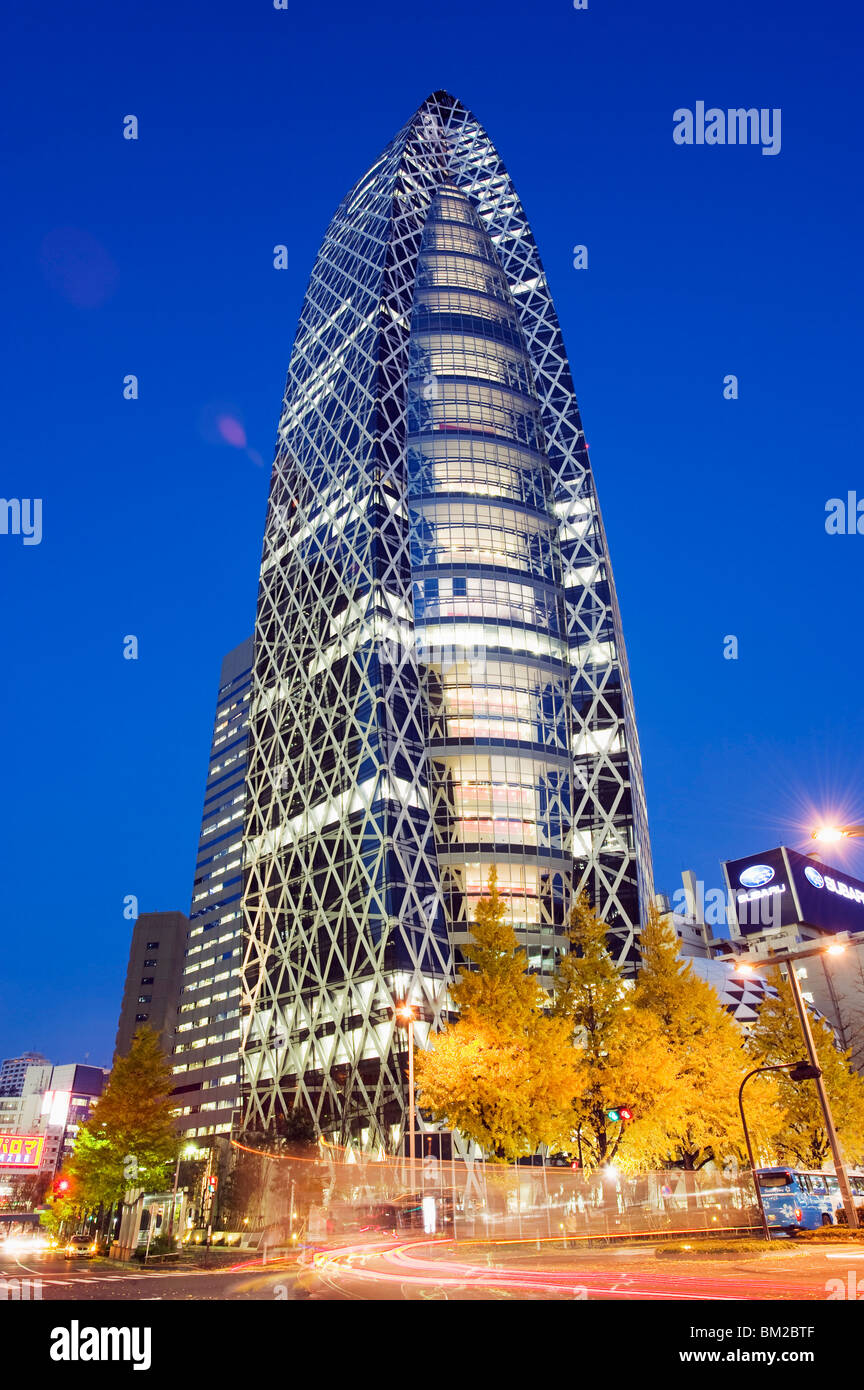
pixel 831 1233
pixel 713 1246
pixel 159 1245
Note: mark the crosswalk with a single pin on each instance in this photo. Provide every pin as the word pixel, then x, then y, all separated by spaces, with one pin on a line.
pixel 135 1276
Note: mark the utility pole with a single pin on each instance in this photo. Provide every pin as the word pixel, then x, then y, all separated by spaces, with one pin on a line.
pixel 836 1151
pixel 788 958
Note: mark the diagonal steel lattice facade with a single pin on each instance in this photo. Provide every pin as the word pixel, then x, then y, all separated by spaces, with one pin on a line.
pixel 440 679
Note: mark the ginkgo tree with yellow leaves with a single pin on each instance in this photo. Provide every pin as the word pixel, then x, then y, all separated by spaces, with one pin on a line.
pixel 505 1072
pixel 521 1068
pixel 799 1134
pixel 623 1054
pixel 699 1120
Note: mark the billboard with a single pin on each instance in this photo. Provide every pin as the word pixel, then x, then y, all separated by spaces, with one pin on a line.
pixel 21 1150
pixel 781 888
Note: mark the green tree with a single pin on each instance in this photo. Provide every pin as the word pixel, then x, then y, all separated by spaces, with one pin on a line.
pixel 132 1120
pixel 504 1074
pixel 700 1120
pixel 800 1135
pixel 624 1056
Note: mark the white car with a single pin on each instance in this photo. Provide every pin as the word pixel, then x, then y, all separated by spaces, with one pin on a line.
pixel 81 1248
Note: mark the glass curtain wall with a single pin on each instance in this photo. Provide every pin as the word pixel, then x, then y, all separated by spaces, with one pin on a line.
pixel 486 574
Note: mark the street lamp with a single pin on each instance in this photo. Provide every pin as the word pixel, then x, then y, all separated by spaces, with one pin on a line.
pixel 406 1014
pixel 799 1071
pixel 184 1153
pixel 829 834
pixel 787 958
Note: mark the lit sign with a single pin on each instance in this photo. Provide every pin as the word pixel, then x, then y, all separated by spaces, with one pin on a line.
pixel 781 887
pixel 756 875
pixel 755 893
pixel 855 895
pixel 21 1150
pixel 55 1104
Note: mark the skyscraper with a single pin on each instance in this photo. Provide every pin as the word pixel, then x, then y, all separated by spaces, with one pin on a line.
pixel 440 680
pixel 206 1051
pixel 154 976
pixel 14 1070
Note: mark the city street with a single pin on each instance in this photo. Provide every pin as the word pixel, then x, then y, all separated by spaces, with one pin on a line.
pixel 421 1270
pixel 105 1280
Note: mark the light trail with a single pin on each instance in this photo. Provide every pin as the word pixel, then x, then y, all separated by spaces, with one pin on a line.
pixel 402 1262
pixel 362 1262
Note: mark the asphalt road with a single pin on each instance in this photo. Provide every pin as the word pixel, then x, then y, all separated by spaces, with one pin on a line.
pixel 100 1280
pixel 418 1270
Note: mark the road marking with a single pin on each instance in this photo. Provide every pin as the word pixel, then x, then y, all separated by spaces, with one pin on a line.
pixel 136 1276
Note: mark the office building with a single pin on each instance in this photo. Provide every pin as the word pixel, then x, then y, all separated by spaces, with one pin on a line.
pixel 153 978
pixel 206 1041
pixel 440 681
pixel 14 1070
pixel 53 1104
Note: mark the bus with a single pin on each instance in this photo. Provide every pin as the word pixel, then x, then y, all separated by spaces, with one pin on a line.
pixel 797 1200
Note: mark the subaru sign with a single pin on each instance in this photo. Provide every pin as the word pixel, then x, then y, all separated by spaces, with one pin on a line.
pixel 782 888
pixel 756 875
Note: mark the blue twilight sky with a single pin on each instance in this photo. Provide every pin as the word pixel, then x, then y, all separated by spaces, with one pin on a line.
pixel 155 258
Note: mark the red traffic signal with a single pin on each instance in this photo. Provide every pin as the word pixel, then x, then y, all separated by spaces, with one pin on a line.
pixel 619 1113
pixel 212 1183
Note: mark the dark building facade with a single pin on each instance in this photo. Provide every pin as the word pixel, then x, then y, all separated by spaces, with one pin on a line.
pixel 153 978
pixel 440 683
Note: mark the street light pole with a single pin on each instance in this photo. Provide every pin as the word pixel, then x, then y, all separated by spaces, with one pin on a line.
pixel 782 1066
pixel 836 1152
pixel 405 1012
pixel 788 958
pixel 411 1098
pixel 174 1199
pixel 184 1153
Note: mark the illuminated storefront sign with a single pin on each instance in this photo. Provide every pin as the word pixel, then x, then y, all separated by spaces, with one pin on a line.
pixel 21 1150
pixel 781 887
pixel 55 1104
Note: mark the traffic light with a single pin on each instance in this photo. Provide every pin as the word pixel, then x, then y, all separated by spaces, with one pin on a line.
pixel 61 1186
pixel 212 1183
pixel 619 1113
